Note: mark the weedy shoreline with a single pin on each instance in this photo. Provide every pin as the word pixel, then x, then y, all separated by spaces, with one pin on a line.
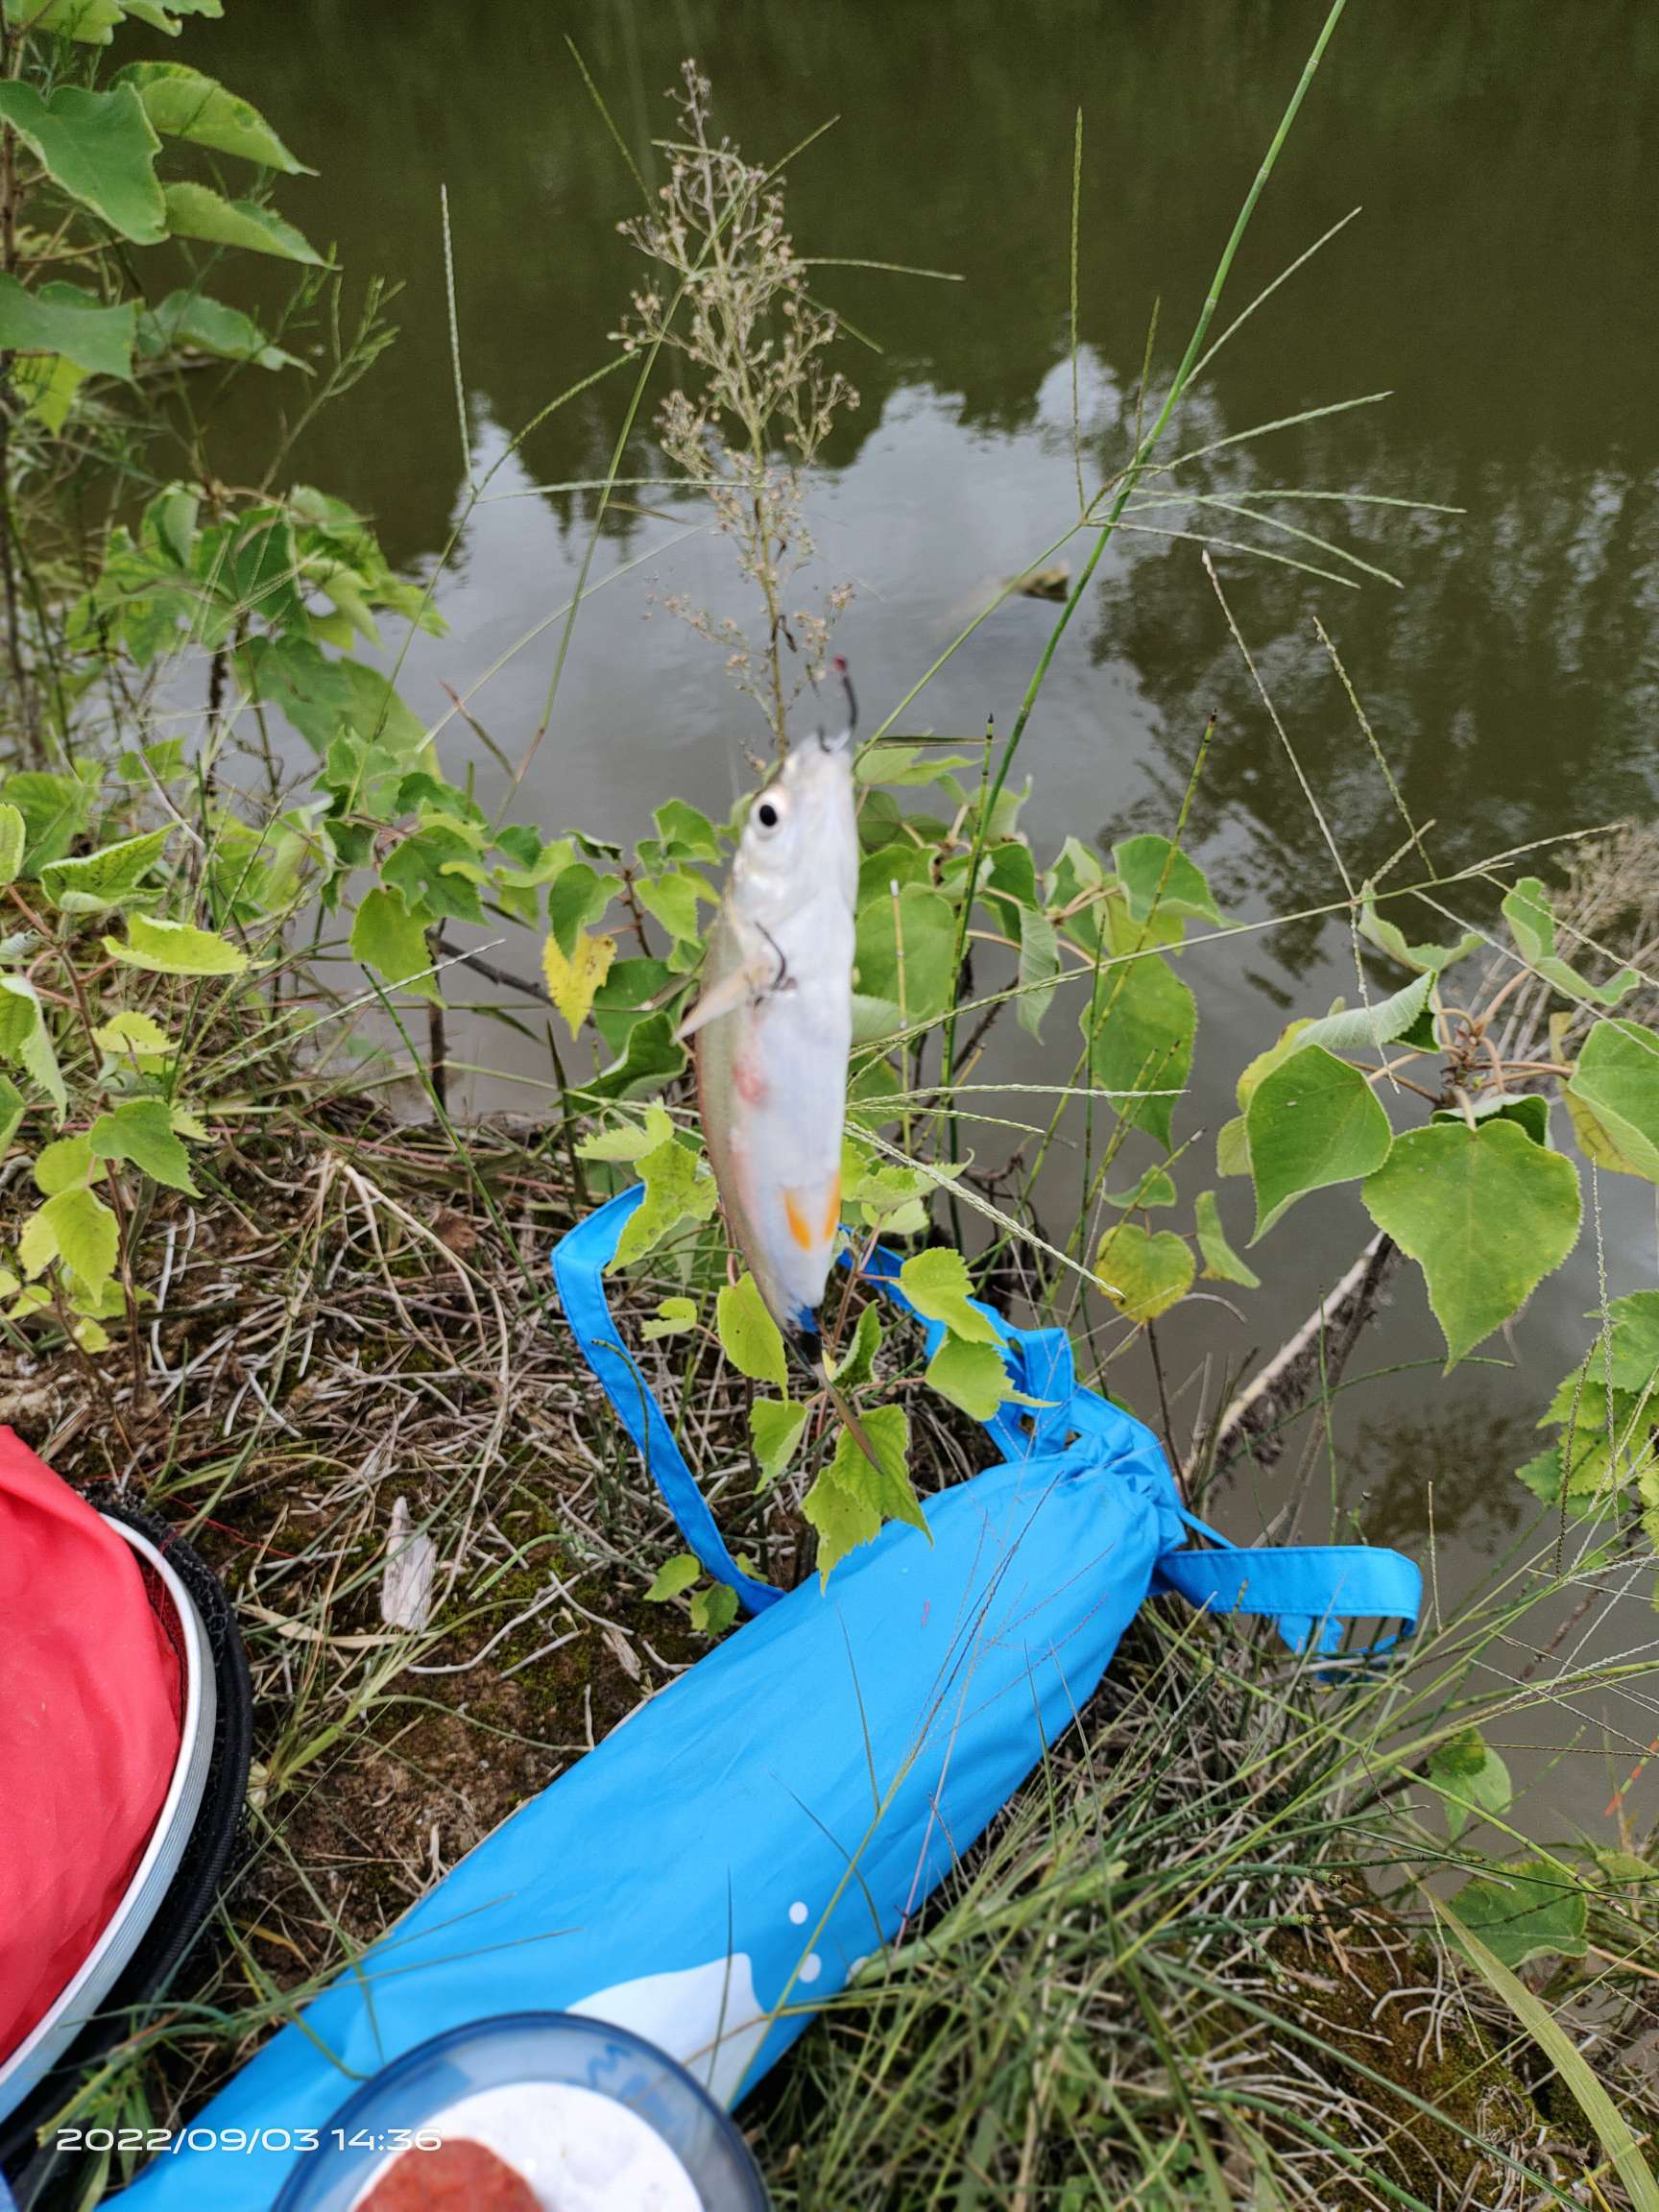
pixel 1195 1949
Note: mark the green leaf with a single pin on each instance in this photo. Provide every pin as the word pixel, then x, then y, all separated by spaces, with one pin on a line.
pixel 1485 1212
pixel 686 834
pixel 1221 1264
pixel 83 1235
pixel 1613 1096
pixel 858 1364
pixel 1145 863
pixel 1634 1357
pixel 1390 938
pixel 673 1576
pixel 1529 1110
pixel 1524 1911
pixel 193 212
pixel 12 833
pixel 26 1041
pixel 748 1334
pixel 672 899
pixel 160 14
pixel 673 1318
pixel 628 1141
pixel 47 383
pixel 63 319
pixel 652 1055
pixel 713 1610
pixel 1140 1033
pixel 175 948
pixel 576 898
pixel 105 879
pixel 59 1166
pixel 140 1130
pixel 906 767
pixel 775 1427
pixel 1142 1274
pixel 971 1376
pixel 54 810
pixel 91 22
pixel 678 1189
pixel 182 102
pixel 1039 962
pixel 130 1035
pixel 853 1495
pixel 1531 924
pixel 1232 1147
pixel 1471 1779
pixel 191 318
pixel 1368 1029
pixel 1155 1187
pixel 387 937
pixel 1312 1121
pixel 98 147
pixel 13 1108
pixel 938 1285
pixel 320 696
pixel 904 949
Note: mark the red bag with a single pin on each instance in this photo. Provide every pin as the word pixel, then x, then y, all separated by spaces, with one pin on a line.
pixel 91 1700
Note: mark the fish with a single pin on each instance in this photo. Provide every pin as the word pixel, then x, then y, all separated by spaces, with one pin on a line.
pixel 773 1027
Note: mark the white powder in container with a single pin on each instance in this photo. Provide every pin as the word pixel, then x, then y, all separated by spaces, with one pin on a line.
pixel 578 2150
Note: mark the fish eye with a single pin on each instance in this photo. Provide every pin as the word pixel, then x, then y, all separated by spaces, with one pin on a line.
pixel 769 812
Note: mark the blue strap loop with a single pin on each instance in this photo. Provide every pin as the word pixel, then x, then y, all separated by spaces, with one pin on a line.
pixel 1310 1591
pixel 580 1259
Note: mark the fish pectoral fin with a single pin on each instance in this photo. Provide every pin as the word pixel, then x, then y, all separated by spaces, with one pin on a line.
pixel 724 998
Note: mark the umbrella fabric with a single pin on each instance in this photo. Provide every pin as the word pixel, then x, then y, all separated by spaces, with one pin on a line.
pixel 91 1697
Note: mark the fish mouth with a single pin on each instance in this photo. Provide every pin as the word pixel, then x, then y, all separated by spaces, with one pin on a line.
pixel 840 743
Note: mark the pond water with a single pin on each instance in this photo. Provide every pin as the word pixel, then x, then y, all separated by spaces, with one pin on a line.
pixel 1497 285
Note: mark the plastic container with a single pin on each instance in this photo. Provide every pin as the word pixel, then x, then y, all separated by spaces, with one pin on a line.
pixel 698 2156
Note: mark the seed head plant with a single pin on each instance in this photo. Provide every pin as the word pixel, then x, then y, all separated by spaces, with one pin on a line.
pixel 757 396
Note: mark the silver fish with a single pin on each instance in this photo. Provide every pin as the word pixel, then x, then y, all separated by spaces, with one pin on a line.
pixel 774 1026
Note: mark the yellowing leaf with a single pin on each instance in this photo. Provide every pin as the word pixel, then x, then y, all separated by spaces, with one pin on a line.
pixel 13 1108
pixel 937 1285
pixel 58 1166
pixel 855 1494
pixel 573 982
pixel 175 948
pixel 131 1034
pixel 13 834
pixel 775 1427
pixel 1144 1275
pixel 674 1316
pixel 674 1575
pixel 676 1191
pixel 83 1235
pixel 971 1376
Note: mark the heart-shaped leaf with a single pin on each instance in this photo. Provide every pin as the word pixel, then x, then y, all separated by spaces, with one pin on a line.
pixel 1144 1275
pixel 1485 1212
pixel 1312 1121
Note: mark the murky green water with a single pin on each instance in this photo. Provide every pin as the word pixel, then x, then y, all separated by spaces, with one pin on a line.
pixel 1497 285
